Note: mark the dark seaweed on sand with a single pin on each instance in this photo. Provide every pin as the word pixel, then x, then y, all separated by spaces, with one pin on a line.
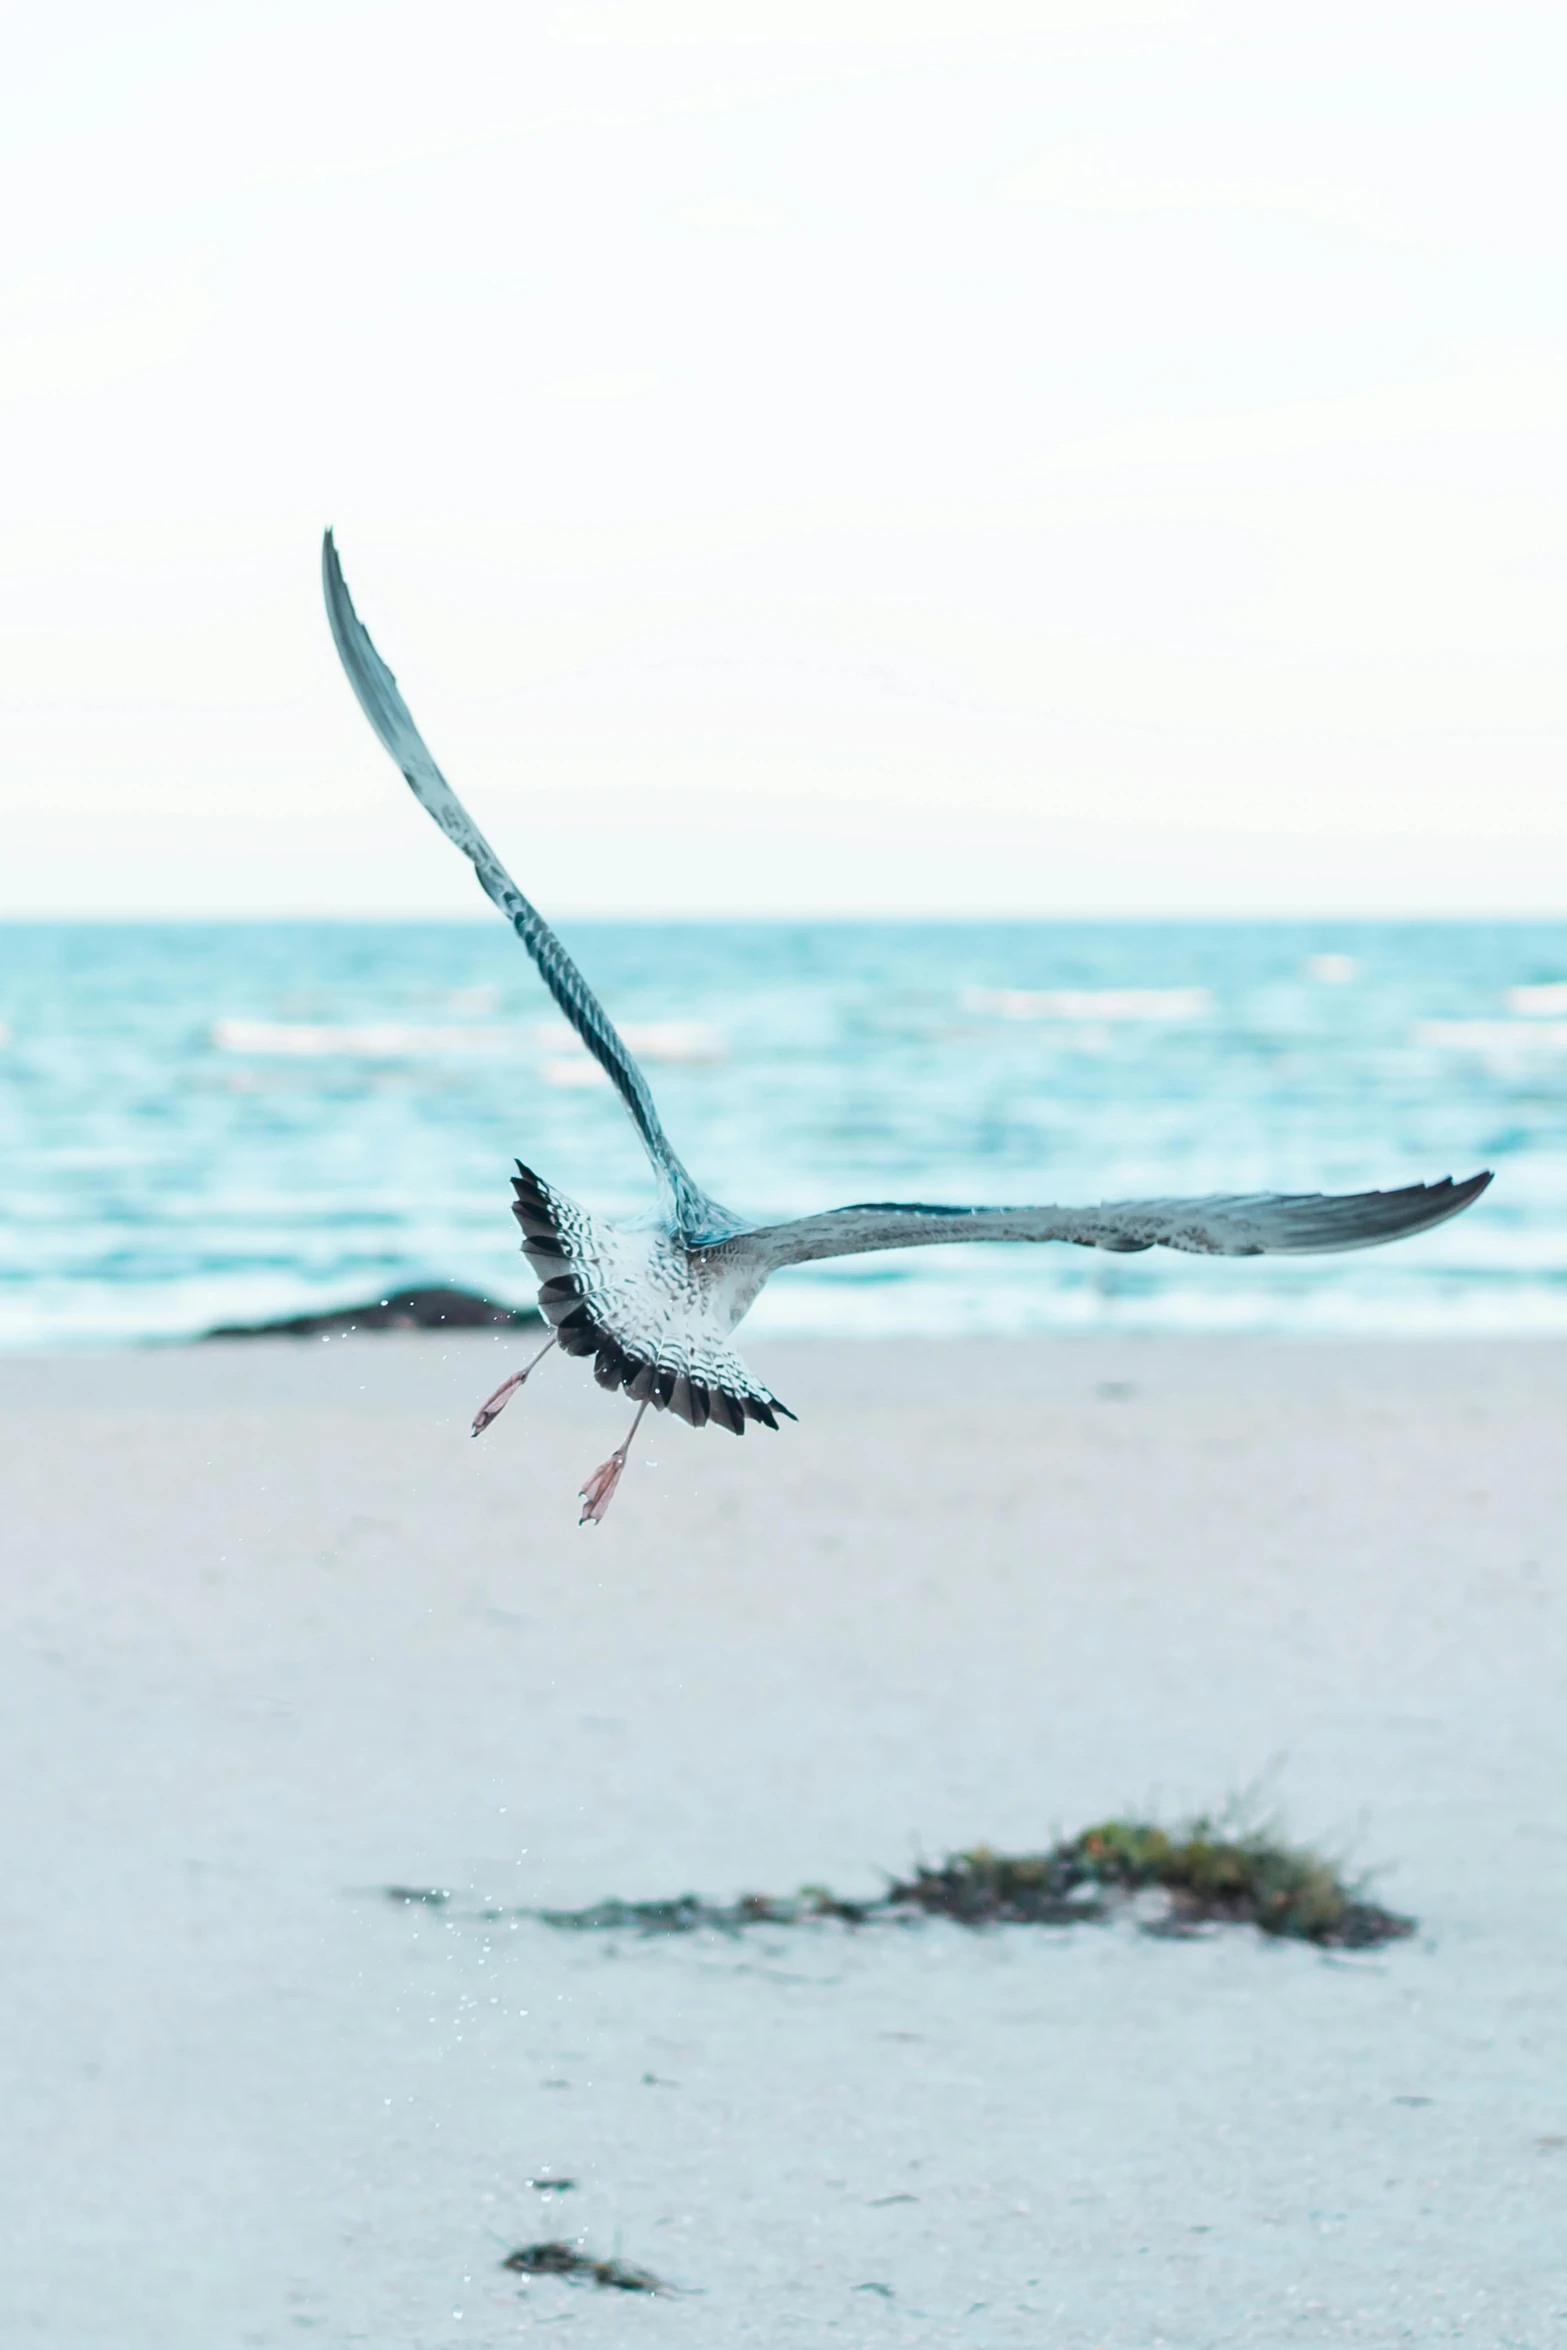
pixel 556 2259
pixel 688 1912
pixel 1246 1878
pixel 1209 1875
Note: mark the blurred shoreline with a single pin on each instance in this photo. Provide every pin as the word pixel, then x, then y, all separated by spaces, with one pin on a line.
pixel 209 1126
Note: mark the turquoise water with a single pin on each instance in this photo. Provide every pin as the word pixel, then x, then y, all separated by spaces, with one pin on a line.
pixel 211 1123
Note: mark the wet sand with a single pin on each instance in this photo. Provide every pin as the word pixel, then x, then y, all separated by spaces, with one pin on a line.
pixel 278 1635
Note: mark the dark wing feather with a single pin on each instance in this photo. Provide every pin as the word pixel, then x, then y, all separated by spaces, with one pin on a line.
pixel 1264 1223
pixel 387 712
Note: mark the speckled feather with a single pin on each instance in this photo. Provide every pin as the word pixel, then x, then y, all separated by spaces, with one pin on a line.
pixel 654 1314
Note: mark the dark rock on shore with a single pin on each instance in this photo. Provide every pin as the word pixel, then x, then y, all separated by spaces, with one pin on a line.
pixel 406 1309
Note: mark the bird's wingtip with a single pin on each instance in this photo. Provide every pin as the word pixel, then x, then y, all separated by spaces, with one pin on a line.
pixel 334 587
pixel 1450 1197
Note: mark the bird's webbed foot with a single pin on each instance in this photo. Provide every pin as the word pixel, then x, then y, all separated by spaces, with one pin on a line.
pixel 599 1490
pixel 494 1405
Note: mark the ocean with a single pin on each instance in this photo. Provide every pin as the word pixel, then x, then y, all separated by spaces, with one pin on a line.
pixel 232 1122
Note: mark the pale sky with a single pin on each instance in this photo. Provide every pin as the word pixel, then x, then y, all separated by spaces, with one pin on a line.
pixel 798 455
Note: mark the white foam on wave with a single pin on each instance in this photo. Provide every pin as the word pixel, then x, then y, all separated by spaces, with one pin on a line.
pixel 370 1040
pixel 1507 1039
pixel 1546 1002
pixel 1095 1004
pixel 673 1042
pixel 572 1072
pixel 688 1042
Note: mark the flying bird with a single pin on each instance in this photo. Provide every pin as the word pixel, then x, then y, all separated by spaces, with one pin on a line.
pixel 654 1302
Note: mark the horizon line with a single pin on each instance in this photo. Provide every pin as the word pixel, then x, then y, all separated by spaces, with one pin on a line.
pixel 104 918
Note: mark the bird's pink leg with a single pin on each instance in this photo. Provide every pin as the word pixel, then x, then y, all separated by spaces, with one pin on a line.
pixel 599 1490
pixel 494 1405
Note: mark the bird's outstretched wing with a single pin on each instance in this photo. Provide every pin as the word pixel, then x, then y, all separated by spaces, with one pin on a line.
pixel 693 1212
pixel 1262 1224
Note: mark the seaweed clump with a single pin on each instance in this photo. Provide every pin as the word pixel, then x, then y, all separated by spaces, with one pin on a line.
pixel 557 2259
pixel 1210 1872
pixel 687 1913
pixel 1247 1877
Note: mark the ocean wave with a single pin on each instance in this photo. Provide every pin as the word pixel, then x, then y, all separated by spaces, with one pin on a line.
pixel 680 1042
pixel 676 1043
pixel 371 1040
pixel 1506 1038
pixel 1544 1002
pixel 1092 1004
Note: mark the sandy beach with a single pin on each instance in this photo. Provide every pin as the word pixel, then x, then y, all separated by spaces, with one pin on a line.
pixel 279 1636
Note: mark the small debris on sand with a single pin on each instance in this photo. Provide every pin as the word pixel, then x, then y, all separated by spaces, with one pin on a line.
pixel 557 2259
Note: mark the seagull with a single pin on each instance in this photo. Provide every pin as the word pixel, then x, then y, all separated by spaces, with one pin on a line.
pixel 654 1301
